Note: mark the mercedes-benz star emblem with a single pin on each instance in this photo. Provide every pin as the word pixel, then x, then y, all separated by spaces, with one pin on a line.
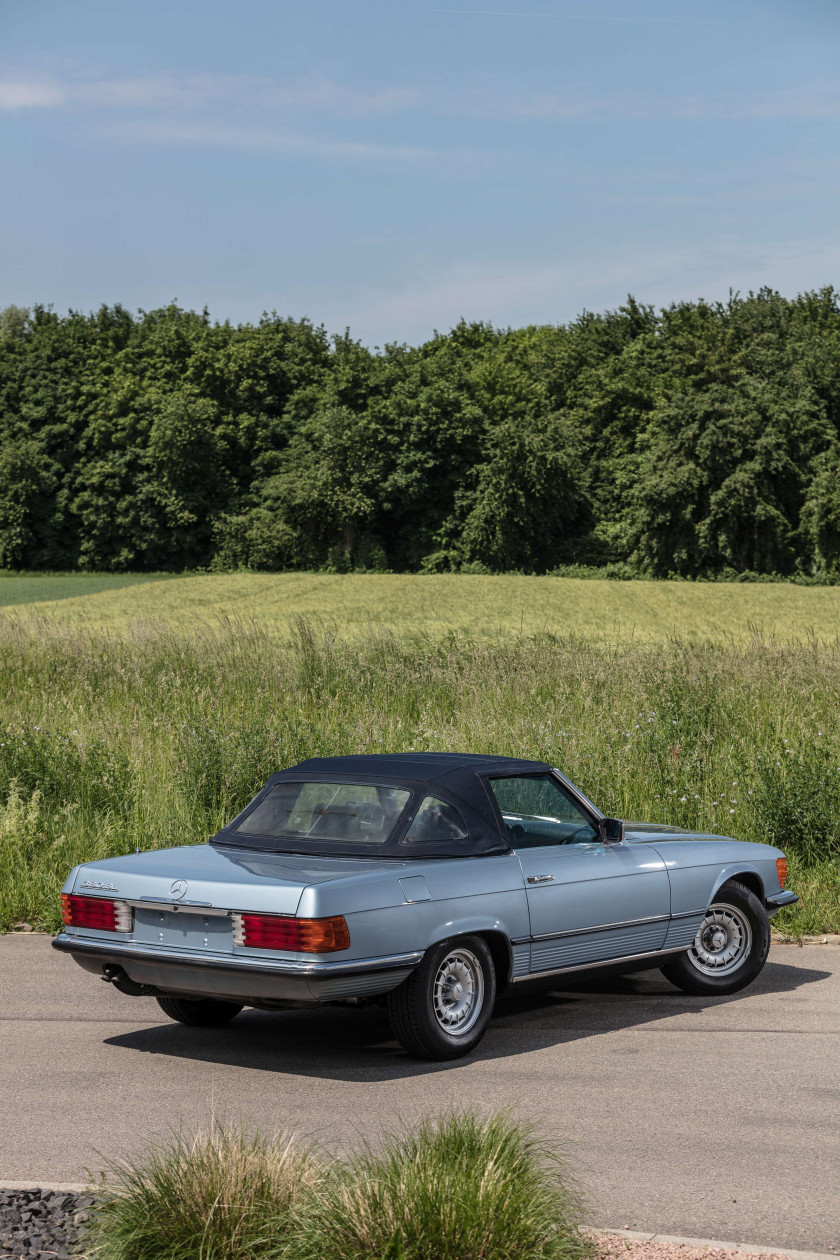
pixel 178 889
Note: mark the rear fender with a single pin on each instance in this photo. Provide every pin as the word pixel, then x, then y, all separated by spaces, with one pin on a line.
pixel 493 931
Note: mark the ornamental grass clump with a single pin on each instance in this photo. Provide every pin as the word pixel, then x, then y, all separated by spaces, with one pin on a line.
pixel 454 1188
pixel 221 1195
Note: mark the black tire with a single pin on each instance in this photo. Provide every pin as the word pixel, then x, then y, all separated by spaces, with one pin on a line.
pixel 200 1012
pixel 733 907
pixel 418 1008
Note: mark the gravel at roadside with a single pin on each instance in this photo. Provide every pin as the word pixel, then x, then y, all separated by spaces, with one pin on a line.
pixel 44 1225
pixel 40 1224
pixel 618 1247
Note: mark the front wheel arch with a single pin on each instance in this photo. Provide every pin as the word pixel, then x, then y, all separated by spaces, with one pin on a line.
pixel 682 972
pixel 749 877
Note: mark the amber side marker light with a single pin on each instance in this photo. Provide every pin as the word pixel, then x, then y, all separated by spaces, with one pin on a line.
pixel 782 871
pixel 96 912
pixel 302 936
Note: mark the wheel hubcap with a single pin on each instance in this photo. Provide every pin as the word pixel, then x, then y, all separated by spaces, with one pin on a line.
pixel 723 942
pixel 458 994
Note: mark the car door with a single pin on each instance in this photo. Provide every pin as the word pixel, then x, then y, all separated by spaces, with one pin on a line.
pixel 588 901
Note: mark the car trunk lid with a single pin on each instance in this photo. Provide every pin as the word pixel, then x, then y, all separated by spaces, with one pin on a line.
pixel 216 877
pixel 178 894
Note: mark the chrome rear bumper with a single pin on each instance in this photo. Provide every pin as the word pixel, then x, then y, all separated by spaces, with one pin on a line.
pixel 194 973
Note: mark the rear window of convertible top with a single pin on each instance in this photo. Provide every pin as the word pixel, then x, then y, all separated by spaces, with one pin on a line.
pixel 354 813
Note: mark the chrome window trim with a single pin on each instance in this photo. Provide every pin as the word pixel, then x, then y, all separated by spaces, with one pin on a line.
pixel 588 806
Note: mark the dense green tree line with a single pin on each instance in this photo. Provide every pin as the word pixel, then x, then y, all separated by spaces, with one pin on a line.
pixel 697 440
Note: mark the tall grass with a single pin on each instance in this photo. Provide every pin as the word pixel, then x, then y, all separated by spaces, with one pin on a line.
pixel 222 1195
pixel 454 1188
pixel 155 737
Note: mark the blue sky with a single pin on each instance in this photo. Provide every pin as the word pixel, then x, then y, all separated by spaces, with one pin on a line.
pixel 396 166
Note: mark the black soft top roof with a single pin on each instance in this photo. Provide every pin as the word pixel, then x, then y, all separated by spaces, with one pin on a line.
pixel 421 767
pixel 456 777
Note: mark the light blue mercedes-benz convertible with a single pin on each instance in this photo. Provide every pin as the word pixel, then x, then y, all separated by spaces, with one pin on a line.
pixel 425 881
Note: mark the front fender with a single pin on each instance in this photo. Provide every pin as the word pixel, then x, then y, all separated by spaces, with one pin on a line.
pixel 733 869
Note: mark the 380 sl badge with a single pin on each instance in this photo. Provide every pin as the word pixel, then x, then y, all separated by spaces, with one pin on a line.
pixel 95 883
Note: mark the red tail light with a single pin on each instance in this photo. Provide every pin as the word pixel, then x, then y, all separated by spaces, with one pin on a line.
pixel 96 912
pixel 303 936
pixel 782 871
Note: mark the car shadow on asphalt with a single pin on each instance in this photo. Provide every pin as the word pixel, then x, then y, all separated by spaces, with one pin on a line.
pixel 352 1044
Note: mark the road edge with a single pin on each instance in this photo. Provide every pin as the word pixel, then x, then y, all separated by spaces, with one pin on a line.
pixel 631 1235
pixel 49 1187
pixel 752 1249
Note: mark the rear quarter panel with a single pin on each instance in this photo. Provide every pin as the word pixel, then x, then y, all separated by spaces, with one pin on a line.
pixel 464 895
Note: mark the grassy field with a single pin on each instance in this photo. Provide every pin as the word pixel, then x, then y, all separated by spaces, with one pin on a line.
pixel 414 607
pixel 39 588
pixel 155 735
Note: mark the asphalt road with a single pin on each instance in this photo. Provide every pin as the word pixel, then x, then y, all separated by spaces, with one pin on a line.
pixel 707 1118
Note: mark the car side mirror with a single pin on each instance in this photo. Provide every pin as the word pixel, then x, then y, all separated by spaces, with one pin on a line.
pixel 612 830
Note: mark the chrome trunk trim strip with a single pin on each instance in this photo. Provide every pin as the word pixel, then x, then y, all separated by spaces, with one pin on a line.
pixel 185 907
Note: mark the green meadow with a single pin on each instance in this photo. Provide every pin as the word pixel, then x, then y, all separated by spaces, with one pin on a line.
pixel 412 606
pixel 143 715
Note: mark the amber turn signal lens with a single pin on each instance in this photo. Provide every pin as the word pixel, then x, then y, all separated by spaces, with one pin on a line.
pixel 300 936
pixel 96 912
pixel 782 871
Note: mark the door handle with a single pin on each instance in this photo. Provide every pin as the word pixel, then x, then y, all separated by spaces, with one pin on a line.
pixel 540 879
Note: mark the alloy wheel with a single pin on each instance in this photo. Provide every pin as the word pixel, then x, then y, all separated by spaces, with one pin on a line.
pixel 723 941
pixel 458 992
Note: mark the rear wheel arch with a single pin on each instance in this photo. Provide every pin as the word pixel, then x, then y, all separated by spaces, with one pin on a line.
pixel 501 953
pixel 496 941
pixel 456 981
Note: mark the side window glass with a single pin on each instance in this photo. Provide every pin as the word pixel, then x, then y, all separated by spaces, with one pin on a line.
pixel 538 813
pixel 435 820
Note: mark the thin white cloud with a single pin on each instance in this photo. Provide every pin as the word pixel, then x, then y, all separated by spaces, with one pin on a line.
pixel 195 91
pixel 268 141
pixel 29 94
pixel 813 101
pixel 322 96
